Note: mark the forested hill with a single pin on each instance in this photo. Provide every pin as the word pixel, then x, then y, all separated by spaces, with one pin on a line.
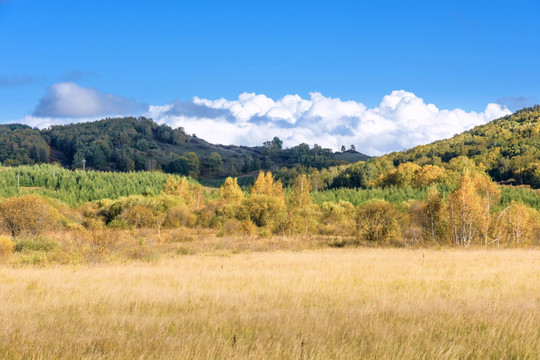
pixel 508 149
pixel 126 144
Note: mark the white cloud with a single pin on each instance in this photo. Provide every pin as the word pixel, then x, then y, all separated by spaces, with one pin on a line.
pixel 400 121
pixel 68 99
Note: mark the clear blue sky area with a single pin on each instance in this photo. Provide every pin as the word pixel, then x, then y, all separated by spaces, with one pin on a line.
pixel 451 53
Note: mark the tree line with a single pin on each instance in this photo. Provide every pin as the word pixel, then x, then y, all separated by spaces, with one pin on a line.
pixel 472 213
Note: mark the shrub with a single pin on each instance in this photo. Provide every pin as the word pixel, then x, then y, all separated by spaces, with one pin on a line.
pixel 139 216
pixel 179 216
pixel 120 224
pixel 35 243
pixel 264 232
pixel 6 247
pixel 378 221
pixel 263 209
pixel 27 215
pixel 238 227
pixel 248 227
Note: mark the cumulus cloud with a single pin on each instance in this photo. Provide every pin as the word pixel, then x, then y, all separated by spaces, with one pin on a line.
pixel 68 99
pixel 401 120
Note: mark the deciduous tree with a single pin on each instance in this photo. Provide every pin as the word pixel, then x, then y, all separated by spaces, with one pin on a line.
pixel 465 211
pixel 230 191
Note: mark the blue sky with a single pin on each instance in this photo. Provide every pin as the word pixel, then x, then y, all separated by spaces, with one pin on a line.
pixel 455 55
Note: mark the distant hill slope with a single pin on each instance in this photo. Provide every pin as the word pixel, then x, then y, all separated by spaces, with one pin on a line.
pixel 126 144
pixel 20 144
pixel 351 156
pixel 508 148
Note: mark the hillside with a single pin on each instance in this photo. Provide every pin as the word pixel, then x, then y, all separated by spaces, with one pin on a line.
pixel 508 149
pixel 127 144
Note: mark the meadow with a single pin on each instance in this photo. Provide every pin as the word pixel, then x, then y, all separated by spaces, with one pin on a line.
pixel 326 303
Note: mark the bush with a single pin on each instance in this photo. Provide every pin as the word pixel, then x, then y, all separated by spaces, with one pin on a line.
pixel 27 215
pixel 6 247
pixel 35 243
pixel 120 224
pixel 139 216
pixel 262 209
pixel 378 221
pixel 238 227
pixel 179 216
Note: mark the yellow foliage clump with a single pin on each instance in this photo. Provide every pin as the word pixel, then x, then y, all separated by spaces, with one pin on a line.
pixel 400 176
pixel 265 185
pixel 27 214
pixel 301 192
pixel 178 216
pixel 139 216
pixel 6 247
pixel 378 222
pixel 469 209
pixel 192 194
pixel 427 175
pixel 230 191
pixel 263 209
pixel 517 225
pixel 465 212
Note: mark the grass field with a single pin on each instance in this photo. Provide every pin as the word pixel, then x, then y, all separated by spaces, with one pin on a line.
pixel 322 304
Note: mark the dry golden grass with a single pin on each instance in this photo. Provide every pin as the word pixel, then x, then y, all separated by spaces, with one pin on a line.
pixel 323 304
pixel 80 246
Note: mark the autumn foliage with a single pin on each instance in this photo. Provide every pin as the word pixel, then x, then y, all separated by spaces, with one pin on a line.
pixel 27 214
pixel 460 207
pixel 6 247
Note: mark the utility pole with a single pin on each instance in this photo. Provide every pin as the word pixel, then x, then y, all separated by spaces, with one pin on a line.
pixel 84 164
pixel 18 182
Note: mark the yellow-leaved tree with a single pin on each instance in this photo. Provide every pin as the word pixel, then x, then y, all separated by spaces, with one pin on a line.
pixel 517 225
pixel 139 216
pixel 427 175
pixel 301 195
pixel 266 201
pixel 465 212
pixel 429 215
pixel 490 194
pixel 302 209
pixel 266 185
pixel 192 194
pixel 400 176
pixel 230 191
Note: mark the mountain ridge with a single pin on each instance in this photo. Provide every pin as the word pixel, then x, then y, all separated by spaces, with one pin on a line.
pixel 507 148
pixel 131 144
